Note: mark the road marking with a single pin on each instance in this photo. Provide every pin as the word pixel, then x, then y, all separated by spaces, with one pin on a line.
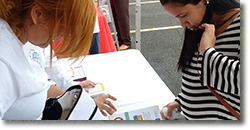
pixel 149 29
pixel 146 2
pixel 155 29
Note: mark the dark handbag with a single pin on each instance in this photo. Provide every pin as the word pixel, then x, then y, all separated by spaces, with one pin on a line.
pixel 79 104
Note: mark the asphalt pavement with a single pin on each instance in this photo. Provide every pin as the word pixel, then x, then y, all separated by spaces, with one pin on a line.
pixel 161 48
pixel 161 40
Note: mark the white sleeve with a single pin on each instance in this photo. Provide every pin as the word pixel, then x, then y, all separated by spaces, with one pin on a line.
pixel 96 29
pixel 8 88
pixel 57 74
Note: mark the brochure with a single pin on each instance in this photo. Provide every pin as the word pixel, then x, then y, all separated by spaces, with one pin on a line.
pixel 77 73
pixel 99 89
pixel 149 113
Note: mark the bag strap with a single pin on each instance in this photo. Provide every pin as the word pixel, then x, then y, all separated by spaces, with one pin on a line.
pixel 229 108
pixel 93 113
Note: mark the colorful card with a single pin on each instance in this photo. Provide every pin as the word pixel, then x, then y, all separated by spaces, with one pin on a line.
pixel 77 73
pixel 94 92
pixel 149 113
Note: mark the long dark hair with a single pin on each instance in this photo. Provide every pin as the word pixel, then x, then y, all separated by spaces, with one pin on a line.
pixel 192 38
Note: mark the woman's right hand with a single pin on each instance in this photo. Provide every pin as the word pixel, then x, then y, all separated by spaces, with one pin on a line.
pixel 171 106
pixel 208 37
pixel 105 105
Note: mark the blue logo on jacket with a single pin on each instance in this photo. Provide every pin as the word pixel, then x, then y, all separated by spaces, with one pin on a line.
pixel 35 57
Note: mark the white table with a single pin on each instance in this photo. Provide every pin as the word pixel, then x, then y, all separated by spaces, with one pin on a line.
pixel 128 76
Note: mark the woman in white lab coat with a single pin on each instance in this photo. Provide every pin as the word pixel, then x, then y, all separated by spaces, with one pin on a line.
pixel 38 22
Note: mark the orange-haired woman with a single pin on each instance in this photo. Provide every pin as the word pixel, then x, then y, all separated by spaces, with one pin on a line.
pixel 39 22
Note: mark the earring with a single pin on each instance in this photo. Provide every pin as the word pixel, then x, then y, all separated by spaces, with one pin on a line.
pixel 37 34
pixel 207 2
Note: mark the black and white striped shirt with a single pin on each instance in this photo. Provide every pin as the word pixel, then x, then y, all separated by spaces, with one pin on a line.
pixel 220 69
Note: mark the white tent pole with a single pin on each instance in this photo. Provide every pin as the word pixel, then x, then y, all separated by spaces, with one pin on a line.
pixel 138 25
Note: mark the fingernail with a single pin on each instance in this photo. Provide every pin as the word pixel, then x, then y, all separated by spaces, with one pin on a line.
pixel 168 117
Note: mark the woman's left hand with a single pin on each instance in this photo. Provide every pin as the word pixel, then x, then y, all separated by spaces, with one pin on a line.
pixel 87 83
pixel 104 104
pixel 208 37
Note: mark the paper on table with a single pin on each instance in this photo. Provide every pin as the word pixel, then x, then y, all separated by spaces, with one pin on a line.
pixel 96 91
pixel 98 88
pixel 149 113
pixel 76 72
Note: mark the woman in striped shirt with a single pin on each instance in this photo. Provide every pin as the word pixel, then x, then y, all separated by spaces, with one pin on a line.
pixel 210 57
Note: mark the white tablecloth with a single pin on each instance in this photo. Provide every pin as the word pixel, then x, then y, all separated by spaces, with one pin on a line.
pixel 128 76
